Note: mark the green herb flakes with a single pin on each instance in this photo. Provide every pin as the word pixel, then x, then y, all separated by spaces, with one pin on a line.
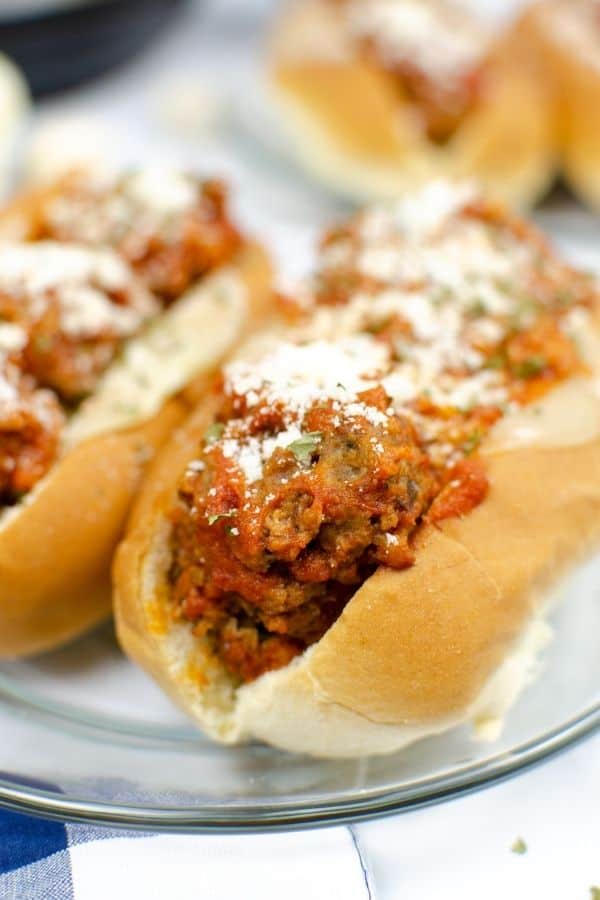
pixel 519 847
pixel 477 309
pixel 441 296
pixel 472 442
pixel 214 432
pixel 530 367
pixel 305 446
pixel 564 297
pixel 225 515
pixel 43 343
pixel 495 361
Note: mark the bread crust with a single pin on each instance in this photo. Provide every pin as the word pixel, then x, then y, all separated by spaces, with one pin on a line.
pixel 414 651
pixel 56 546
pixel 350 129
pixel 576 81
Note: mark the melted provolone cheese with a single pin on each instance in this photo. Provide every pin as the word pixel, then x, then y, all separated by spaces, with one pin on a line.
pixel 568 416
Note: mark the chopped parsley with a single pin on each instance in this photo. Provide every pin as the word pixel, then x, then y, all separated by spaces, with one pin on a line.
pixel 503 285
pixel 305 446
pixel 217 516
pixel 472 442
pixel 526 310
pixel 530 367
pixel 42 343
pixel 442 295
pixel 214 432
pixel 477 309
pixel 565 297
pixel 495 361
pixel 519 847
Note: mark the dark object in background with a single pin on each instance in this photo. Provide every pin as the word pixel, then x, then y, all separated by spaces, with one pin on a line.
pixel 64 44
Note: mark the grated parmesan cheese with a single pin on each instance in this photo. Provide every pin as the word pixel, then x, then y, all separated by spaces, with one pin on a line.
pixel 296 377
pixel 253 451
pixel 80 280
pixel 148 201
pixel 8 393
pixel 12 338
pixel 438 39
pixel 164 191
pixel 454 281
pixel 437 292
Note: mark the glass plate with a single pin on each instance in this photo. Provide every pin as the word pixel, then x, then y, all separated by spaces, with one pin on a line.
pixel 87 736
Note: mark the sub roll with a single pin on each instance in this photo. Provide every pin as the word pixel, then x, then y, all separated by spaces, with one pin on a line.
pixel 113 303
pixel 349 544
pixel 566 34
pixel 379 95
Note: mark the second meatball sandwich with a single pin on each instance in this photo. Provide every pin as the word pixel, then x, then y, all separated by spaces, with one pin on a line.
pixel 113 302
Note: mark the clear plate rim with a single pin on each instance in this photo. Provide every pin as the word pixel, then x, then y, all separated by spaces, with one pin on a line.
pixel 303 814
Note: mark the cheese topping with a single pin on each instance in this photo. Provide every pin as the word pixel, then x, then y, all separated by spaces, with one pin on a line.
pixel 300 376
pixel 294 378
pixel 445 285
pixel 12 338
pixel 83 282
pixel 425 241
pixel 39 404
pixel 102 213
pixel 418 215
pixel 172 228
pixel 8 391
pixel 436 38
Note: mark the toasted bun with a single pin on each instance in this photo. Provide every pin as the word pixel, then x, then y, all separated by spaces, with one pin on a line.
pixel 574 70
pixel 416 651
pixel 348 127
pixel 56 545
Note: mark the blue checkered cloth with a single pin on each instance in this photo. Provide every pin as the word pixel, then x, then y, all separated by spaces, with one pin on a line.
pixel 43 860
